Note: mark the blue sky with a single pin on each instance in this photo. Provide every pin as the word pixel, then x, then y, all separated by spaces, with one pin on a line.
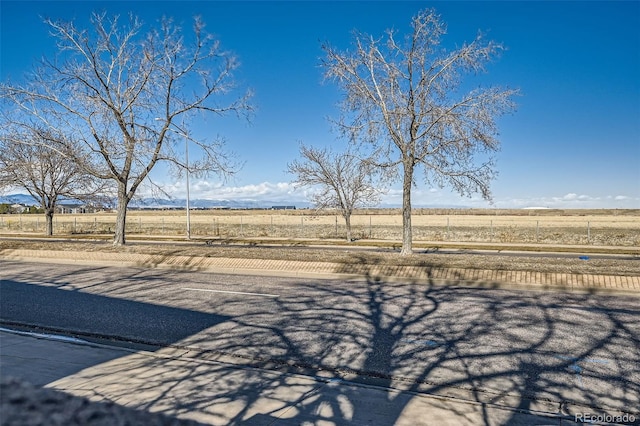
pixel 574 141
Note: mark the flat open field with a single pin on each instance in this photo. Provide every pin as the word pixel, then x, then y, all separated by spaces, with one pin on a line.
pixel 589 228
pixel 585 227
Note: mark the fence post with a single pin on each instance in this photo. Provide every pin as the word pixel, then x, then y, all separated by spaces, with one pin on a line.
pixel 336 226
pixel 589 232
pixel 369 227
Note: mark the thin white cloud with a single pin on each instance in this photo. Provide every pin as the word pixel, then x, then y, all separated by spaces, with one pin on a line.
pixel 257 192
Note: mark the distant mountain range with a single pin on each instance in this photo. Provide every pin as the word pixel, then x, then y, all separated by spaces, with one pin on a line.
pixel 154 203
pixel 165 203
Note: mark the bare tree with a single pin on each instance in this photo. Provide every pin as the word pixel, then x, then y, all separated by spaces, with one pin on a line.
pixel 46 174
pixel 405 97
pixel 119 91
pixel 344 181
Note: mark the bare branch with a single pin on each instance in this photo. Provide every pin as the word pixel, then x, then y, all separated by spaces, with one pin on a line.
pixel 27 162
pixel 342 180
pixel 403 98
pixel 108 86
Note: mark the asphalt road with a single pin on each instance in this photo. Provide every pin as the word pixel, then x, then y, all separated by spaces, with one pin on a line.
pixel 494 344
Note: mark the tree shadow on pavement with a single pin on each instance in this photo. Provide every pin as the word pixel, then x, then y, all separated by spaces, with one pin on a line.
pixel 59 308
pixel 364 351
pixel 553 353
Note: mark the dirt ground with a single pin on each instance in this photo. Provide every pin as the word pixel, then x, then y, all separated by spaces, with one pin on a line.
pixel 622 265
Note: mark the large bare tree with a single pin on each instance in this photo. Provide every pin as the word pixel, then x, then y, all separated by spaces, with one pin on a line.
pixel 120 90
pixel 343 181
pixel 406 98
pixel 27 162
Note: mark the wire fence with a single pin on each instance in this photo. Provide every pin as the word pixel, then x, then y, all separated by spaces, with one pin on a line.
pixel 558 230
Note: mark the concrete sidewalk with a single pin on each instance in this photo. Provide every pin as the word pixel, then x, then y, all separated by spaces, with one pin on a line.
pixel 180 386
pixel 301 269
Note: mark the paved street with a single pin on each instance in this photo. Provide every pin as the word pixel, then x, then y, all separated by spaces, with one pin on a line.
pixel 523 349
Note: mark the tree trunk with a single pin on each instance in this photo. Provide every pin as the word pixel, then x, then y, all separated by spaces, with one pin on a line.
pixel 121 217
pixel 347 220
pixel 406 210
pixel 48 214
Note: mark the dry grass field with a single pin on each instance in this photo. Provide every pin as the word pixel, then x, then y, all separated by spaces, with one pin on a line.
pixel 583 227
pixel 586 228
